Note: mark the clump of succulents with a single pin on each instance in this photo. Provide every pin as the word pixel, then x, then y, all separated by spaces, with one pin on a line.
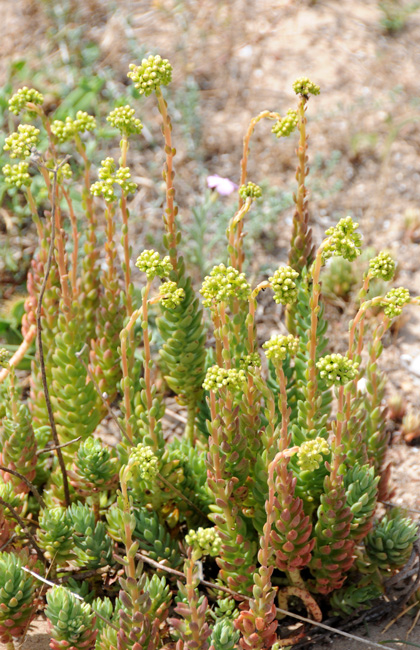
pixel 270 496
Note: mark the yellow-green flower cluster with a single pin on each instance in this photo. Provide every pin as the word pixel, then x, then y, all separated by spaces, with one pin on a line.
pixel 284 285
pixel 278 347
pixel 223 284
pixel 250 190
pixel 22 97
pixel 21 141
pixel 398 298
pixel 142 463
pixel 67 129
pixel 105 187
pixel 4 358
pixel 343 240
pixel 122 118
pixel 205 541
pixel 152 73
pixel 304 86
pixel 286 125
pixel 250 361
pixel 337 370
pixel 311 453
pixel 153 265
pixel 217 378
pixel 382 266
pixel 17 175
pixel 171 295
pixel 109 177
pixel 122 178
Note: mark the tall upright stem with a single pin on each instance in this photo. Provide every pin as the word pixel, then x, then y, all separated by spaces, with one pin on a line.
pixel 312 381
pixel 170 151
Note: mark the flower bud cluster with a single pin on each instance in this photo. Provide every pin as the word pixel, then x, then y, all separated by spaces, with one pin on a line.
pixel 286 125
pixel 343 240
pixel 250 361
pixel 152 73
pixel 278 347
pixel 4 357
pixel 122 118
pixel 303 86
pixel 311 453
pixel 250 190
pixel 22 97
pixel 284 285
pixel 217 378
pixel 205 541
pixel 171 295
pixel 223 284
pixel 143 463
pixel 17 175
pixel 382 266
pixel 65 130
pixel 337 370
pixel 21 141
pixel 109 177
pixel 153 265
pixel 398 298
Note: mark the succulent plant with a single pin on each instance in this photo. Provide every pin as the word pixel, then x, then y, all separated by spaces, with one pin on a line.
pixel 72 622
pixel 17 590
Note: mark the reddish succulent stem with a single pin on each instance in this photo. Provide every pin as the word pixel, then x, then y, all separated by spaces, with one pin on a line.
pixel 169 176
pixel 147 361
pixel 126 241
pixel 337 453
pixel 75 236
pixel 59 245
pixel 130 566
pixel 244 172
pixel 312 381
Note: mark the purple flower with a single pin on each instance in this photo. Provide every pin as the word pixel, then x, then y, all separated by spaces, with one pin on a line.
pixel 223 186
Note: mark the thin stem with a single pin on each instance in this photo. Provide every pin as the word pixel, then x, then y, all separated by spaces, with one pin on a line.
pixel 57 237
pixel 40 345
pixel 21 523
pixel 75 236
pixel 244 171
pixel 171 210
pixel 312 380
pixel 337 452
pixel 35 216
pixel 30 485
pixel 125 239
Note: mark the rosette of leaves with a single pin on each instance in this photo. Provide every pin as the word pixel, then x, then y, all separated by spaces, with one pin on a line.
pixel 72 621
pixel 74 399
pixel 390 543
pixel 18 446
pixel 94 468
pixel 55 535
pixel 361 487
pixel 151 535
pixel 224 636
pixel 348 600
pixel 92 546
pixel 17 590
